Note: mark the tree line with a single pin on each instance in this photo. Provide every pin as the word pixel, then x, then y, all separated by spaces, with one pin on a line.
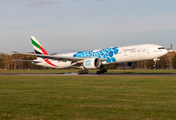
pixel 166 62
pixel 7 63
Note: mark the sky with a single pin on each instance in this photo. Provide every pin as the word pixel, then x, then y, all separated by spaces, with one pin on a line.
pixel 63 26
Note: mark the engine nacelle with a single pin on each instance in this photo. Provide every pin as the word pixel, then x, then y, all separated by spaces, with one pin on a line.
pixel 125 65
pixel 92 63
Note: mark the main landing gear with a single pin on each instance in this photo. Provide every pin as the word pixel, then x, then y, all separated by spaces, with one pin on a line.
pixel 83 72
pixel 102 70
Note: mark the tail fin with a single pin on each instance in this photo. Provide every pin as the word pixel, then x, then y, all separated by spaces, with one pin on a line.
pixel 37 46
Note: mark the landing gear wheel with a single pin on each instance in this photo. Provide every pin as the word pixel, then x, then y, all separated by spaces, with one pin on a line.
pixel 82 72
pixel 98 72
pixel 103 70
pixel 79 72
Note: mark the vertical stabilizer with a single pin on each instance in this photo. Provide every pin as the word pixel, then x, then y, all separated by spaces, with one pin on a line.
pixel 37 46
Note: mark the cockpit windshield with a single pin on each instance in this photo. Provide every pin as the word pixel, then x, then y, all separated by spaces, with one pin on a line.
pixel 161 48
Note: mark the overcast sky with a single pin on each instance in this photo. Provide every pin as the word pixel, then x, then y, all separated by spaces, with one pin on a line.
pixel 73 25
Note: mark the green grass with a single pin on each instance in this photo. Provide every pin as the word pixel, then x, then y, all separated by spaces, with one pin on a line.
pixel 90 71
pixel 87 97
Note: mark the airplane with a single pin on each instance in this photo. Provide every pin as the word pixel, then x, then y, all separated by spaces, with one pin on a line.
pixel 124 57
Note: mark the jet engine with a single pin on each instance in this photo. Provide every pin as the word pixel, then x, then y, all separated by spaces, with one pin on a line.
pixel 92 63
pixel 125 65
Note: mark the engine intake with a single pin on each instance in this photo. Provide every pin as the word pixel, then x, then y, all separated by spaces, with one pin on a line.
pixel 92 63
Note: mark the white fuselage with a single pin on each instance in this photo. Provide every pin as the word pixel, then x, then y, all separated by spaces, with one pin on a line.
pixel 113 55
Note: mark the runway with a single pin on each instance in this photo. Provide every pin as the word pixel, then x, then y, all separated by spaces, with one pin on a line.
pixel 91 74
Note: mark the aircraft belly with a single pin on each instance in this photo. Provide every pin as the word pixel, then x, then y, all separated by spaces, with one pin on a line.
pixel 63 64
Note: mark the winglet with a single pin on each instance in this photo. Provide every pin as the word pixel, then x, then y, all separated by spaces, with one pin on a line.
pixel 37 46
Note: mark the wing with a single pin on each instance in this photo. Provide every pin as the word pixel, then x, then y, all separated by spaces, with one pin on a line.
pixel 58 57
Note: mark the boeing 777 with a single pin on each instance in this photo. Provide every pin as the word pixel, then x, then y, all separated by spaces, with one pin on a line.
pixel 124 57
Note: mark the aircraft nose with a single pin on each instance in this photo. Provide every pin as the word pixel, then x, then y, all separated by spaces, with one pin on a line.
pixel 165 52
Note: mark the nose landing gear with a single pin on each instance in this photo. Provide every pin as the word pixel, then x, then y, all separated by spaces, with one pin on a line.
pixel 155 61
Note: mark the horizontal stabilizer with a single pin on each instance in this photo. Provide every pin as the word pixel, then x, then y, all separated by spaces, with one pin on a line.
pixel 34 61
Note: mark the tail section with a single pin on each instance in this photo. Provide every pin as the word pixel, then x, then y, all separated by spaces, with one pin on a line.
pixel 40 50
pixel 37 46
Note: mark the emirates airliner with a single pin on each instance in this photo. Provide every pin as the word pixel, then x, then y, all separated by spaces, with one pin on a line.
pixel 124 57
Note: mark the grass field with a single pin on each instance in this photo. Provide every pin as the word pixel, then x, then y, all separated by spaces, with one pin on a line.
pixel 87 97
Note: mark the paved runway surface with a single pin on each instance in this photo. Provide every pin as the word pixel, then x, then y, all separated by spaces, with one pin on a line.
pixel 93 74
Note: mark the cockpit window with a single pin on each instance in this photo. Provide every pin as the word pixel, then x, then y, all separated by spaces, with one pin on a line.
pixel 160 48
